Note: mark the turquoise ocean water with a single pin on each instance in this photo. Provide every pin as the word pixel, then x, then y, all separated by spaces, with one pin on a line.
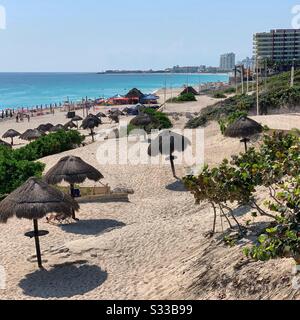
pixel 31 89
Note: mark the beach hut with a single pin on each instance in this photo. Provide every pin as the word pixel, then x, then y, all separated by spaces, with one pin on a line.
pixel 189 90
pixel 72 170
pixel 134 93
pixel 167 143
pixel 33 201
pixel 244 128
pixel 31 134
pixel 134 96
pixel 11 134
pixel 77 119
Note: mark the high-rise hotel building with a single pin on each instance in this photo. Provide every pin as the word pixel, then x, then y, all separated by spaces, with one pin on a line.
pixel 278 45
pixel 227 61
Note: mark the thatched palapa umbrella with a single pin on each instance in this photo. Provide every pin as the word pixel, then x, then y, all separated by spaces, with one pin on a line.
pixel 45 127
pixel 5 144
pixel 72 170
pixel 31 134
pixel 91 122
pixel 76 119
pixel 244 128
pixel 114 117
pixel 33 201
pixel 57 128
pixel 142 120
pixel 11 134
pixel 167 143
pixel 101 115
pixel 70 125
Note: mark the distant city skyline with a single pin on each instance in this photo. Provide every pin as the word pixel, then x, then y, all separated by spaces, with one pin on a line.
pixel 93 36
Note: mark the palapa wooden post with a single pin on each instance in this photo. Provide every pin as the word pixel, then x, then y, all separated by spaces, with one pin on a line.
pixel 72 188
pixel 172 158
pixel 245 141
pixel 37 243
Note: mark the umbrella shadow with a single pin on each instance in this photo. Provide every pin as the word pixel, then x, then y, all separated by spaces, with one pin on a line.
pixel 63 281
pixel 92 227
pixel 241 211
pixel 177 186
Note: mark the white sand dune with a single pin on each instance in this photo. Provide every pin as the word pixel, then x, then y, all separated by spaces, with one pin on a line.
pixel 151 248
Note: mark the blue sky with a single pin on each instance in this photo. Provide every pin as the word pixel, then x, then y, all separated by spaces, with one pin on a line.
pixel 94 35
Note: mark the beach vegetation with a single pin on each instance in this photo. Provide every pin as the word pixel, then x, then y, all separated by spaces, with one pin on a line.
pixel 185 97
pixel 48 145
pixel 17 166
pixel 219 95
pixel 159 121
pixel 275 168
pixel 276 93
pixel 221 110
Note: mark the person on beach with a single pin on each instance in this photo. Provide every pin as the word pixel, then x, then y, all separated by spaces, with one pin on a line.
pixel 17 118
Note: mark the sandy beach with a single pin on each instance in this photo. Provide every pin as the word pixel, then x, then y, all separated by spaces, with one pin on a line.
pixel 153 247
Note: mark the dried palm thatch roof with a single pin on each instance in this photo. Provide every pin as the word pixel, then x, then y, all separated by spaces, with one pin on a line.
pixel 117 112
pixel 77 118
pixel 34 200
pixel 189 90
pixel 134 93
pixel 115 118
pixel 11 134
pixel 42 127
pixel 91 122
pixel 5 144
pixel 167 143
pixel 56 128
pixel 31 134
pixel 243 128
pixel 45 127
pixel 72 170
pixel 70 125
pixel 141 120
pixel 49 126
pixel 101 115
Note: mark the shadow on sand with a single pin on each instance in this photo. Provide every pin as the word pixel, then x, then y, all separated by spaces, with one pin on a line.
pixel 177 186
pixel 92 227
pixel 63 281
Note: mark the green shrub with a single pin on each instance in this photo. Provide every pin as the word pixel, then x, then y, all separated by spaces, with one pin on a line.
pixel 229 90
pixel 14 172
pixel 16 166
pixel 227 121
pixel 219 95
pixel 48 145
pixel 159 121
pixel 239 103
pixel 185 97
